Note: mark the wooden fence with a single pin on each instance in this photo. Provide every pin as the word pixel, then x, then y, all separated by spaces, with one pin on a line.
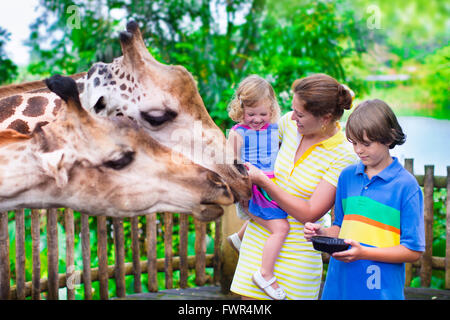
pixel 105 226
pixel 146 239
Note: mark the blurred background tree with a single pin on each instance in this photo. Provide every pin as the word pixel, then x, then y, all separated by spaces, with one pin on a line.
pixel 8 70
pixel 219 42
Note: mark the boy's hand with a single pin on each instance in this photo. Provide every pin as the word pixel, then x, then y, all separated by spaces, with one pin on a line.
pixel 354 253
pixel 312 229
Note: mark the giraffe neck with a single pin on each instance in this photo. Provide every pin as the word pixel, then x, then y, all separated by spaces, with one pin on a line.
pixel 32 86
pixel 106 89
pixel 25 112
pixel 18 168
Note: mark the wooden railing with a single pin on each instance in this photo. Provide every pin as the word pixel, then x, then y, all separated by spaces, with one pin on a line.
pixel 143 237
pixel 143 234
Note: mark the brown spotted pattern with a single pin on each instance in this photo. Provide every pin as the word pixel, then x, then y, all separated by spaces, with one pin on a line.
pixel 23 113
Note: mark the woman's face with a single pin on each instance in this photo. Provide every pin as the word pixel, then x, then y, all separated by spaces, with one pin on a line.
pixel 307 124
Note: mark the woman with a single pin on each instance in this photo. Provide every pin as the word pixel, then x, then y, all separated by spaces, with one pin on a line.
pixel 312 154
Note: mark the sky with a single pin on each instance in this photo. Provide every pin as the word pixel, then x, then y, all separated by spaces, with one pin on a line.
pixel 16 17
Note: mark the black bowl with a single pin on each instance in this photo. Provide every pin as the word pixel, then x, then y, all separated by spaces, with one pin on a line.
pixel 328 244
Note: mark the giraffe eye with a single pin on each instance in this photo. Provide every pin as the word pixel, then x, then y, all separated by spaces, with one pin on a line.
pixel 122 162
pixel 100 105
pixel 158 120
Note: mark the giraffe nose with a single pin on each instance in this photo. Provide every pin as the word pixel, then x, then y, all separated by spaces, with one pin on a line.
pixel 240 168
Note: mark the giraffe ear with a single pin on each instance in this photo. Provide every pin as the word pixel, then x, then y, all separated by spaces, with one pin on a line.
pixel 66 88
pixel 52 165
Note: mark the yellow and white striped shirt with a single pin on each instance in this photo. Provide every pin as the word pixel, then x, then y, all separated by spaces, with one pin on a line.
pixel 298 267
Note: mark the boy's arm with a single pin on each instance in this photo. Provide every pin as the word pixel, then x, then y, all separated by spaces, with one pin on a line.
pixel 396 254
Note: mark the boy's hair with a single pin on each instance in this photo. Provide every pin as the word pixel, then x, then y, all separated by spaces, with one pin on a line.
pixel 251 90
pixel 323 95
pixel 378 121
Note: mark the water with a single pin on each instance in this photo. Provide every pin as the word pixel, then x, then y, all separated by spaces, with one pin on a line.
pixel 427 142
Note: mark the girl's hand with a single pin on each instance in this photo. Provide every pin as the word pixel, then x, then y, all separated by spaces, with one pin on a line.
pixel 354 253
pixel 312 229
pixel 256 176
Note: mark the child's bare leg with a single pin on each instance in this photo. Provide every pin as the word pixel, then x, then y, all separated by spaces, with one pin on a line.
pixel 279 228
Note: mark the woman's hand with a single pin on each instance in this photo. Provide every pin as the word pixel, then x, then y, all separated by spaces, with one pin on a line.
pixel 354 253
pixel 312 229
pixel 256 176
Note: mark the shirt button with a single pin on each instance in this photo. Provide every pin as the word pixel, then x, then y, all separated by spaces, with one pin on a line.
pixel 366 187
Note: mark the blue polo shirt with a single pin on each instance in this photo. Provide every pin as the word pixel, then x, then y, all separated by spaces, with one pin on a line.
pixel 384 211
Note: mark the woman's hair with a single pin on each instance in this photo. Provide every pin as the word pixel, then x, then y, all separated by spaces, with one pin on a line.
pixel 323 95
pixel 252 91
pixel 378 121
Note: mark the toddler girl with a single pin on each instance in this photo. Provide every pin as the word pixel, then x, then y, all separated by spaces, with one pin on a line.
pixel 255 140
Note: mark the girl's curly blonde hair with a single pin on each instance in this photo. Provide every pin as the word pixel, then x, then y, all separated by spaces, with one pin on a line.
pixel 252 91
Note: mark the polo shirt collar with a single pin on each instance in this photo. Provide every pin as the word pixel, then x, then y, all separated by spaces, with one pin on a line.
pixel 335 140
pixel 387 174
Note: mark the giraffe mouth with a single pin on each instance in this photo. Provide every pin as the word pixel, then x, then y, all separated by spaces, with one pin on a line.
pixel 207 213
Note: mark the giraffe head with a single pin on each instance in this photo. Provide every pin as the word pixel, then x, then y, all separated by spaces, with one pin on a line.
pixel 96 165
pixel 164 100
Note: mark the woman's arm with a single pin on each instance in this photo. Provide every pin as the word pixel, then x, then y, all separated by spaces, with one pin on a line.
pixel 396 254
pixel 304 211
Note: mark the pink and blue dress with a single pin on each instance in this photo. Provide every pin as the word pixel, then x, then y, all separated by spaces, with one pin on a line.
pixel 260 148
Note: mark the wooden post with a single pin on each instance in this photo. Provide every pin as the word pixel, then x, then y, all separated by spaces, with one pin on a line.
pixel 151 253
pixel 70 258
pixel 200 252
pixel 119 270
pixel 230 224
pixel 20 254
pixel 409 165
pixel 184 268
pixel 4 257
pixel 136 254
pixel 168 252
pixel 52 254
pixel 426 267
pixel 447 250
pixel 86 252
pixel 217 244
pixel 102 252
pixel 35 240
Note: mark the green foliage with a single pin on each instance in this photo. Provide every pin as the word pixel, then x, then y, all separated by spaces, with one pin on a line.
pixel 439 226
pixel 410 29
pixel 8 70
pixel 280 45
pixel 69 38
pixel 436 79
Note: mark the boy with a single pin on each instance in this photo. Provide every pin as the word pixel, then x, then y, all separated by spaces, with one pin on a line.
pixel 378 210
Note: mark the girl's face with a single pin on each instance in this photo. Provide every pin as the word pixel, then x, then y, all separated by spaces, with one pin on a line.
pixel 373 154
pixel 307 123
pixel 257 117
